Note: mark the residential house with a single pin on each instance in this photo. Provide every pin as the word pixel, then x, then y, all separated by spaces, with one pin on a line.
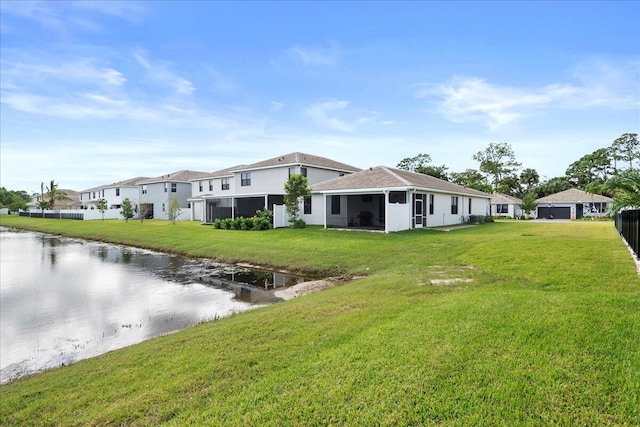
pixel 243 190
pixel 73 201
pixel 114 193
pixel 504 205
pixel 572 204
pixel 392 200
pixel 157 193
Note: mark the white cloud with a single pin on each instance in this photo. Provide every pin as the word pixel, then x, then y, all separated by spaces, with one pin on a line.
pixel 67 17
pixel 276 106
pixel 473 99
pixel 327 114
pixel 160 73
pixel 84 70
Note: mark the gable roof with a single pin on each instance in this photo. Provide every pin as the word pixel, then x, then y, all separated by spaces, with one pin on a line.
pixel 179 176
pixel 504 199
pixel 382 177
pixel 219 173
pixel 573 195
pixel 303 159
pixel 132 182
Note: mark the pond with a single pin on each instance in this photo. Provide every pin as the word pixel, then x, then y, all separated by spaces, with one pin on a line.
pixel 63 299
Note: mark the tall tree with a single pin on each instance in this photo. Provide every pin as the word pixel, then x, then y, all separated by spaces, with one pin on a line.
pixel 627 149
pixel 296 188
pixel 590 170
pixel 414 163
pixel 422 164
pixel 552 186
pixel 472 178
pixel 497 160
pixel 528 179
pixel 55 195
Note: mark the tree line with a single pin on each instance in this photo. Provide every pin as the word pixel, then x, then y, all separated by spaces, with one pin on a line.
pixel 600 172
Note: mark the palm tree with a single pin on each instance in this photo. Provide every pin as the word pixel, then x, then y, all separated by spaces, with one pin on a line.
pixel 627 190
pixel 55 195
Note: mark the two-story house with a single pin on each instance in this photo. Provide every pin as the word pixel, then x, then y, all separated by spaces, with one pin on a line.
pixel 114 193
pixel 242 190
pixel 157 193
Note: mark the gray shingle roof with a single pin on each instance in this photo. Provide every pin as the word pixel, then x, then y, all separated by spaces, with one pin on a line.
pixel 388 178
pixel 179 176
pixel 132 182
pixel 504 199
pixel 300 159
pixel 573 195
pixel 219 173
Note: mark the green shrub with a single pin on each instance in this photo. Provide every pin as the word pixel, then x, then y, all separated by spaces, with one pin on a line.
pixel 217 223
pixel 246 223
pixel 227 223
pixel 298 223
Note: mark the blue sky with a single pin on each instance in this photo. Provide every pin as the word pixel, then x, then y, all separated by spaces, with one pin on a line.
pixel 97 92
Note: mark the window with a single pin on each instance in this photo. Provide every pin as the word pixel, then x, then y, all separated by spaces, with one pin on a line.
pixel 335 205
pixel 307 205
pixel 165 187
pixel 163 209
pixel 245 179
pixel 398 197
pixel 431 204
pixel 93 195
pixel 225 183
pixel 210 185
pixel 117 191
pixel 144 189
pixel 292 171
pixel 502 208
pixel 469 206
pixel 174 187
pixel 303 171
pixel 454 205
pixel 200 186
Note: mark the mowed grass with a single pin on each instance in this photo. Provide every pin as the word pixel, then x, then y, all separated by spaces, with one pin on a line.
pixel 538 324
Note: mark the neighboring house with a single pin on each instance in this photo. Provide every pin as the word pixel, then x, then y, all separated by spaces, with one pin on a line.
pixel 243 190
pixel 504 205
pixel 392 200
pixel 114 193
pixel 156 193
pixel 73 202
pixel 220 183
pixel 572 204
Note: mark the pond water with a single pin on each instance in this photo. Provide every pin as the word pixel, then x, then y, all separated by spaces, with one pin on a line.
pixel 63 299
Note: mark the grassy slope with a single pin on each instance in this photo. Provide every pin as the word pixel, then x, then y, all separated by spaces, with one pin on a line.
pixel 547 332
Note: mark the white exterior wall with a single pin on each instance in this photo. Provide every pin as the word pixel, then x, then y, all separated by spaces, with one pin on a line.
pixel 262 181
pixel 317 209
pixel 161 199
pixel 316 175
pixel 197 209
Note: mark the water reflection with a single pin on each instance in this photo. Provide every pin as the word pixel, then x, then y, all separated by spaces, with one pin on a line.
pixel 63 299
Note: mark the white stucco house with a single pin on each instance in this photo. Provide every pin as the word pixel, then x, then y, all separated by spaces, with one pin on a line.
pixel 156 193
pixel 114 193
pixel 504 205
pixel 391 200
pixel 572 204
pixel 242 190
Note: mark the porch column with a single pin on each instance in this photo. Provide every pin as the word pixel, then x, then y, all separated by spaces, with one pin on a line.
pixel 324 219
pixel 233 208
pixel 204 210
pixel 386 211
pixel 266 201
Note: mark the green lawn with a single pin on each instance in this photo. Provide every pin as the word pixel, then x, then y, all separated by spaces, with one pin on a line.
pixel 540 326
